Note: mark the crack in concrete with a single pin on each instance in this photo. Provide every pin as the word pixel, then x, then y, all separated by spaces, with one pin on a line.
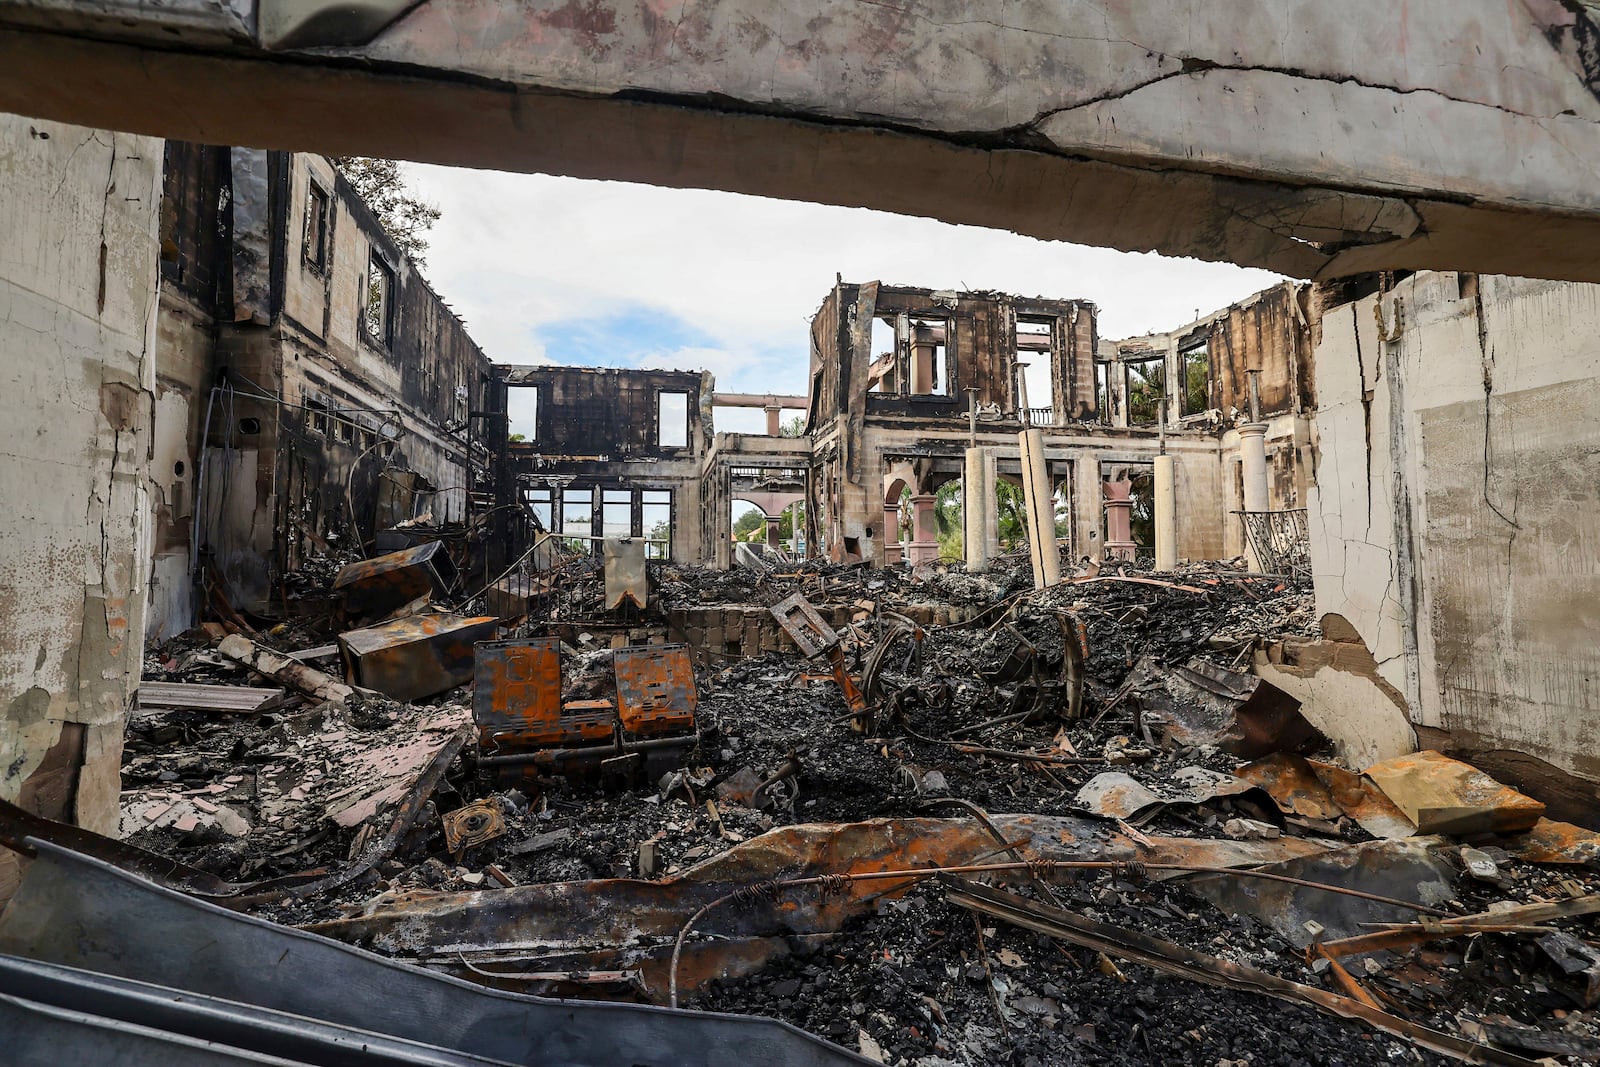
pixel 1486 360
pixel 1195 66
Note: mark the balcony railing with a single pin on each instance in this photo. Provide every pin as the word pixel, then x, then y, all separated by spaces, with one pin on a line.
pixel 1280 541
pixel 1041 416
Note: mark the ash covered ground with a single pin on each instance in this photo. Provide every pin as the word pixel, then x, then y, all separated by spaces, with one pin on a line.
pixel 919 980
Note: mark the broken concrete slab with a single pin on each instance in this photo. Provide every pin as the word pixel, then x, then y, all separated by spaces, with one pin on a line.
pixel 1445 796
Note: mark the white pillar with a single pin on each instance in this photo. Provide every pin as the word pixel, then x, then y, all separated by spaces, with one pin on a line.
pixel 1253 458
pixel 1166 513
pixel 979 524
pixel 1253 453
pixel 1040 505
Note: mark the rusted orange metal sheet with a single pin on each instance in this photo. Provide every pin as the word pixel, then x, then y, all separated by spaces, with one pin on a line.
pixel 415 657
pixel 656 695
pixel 1293 784
pixel 1556 842
pixel 516 694
pixel 619 923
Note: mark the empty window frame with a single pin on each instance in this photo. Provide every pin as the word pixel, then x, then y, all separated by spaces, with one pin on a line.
pixel 1035 370
pixel 931 366
pixel 655 519
pixel 540 502
pixel 1147 389
pixel 1195 363
pixel 672 420
pixel 1102 392
pixel 377 314
pixel 883 376
pixel 522 404
pixel 316 417
pixel 314 241
pixel 577 518
pixel 616 513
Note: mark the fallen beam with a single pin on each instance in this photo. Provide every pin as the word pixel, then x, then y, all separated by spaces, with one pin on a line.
pixel 297 676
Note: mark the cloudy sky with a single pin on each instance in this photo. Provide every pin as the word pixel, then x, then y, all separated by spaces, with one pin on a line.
pixel 608 274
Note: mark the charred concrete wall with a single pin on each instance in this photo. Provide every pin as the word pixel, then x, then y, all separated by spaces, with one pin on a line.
pixel 1199 377
pixel 78 208
pixel 319 386
pixel 891 364
pixel 610 452
pixel 1454 513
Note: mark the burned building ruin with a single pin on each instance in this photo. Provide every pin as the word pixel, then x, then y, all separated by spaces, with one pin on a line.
pixel 1221 695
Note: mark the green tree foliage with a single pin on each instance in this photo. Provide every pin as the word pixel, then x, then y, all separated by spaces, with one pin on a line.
pixel 749 523
pixel 795 427
pixel 406 218
pixel 1146 387
pixel 752 525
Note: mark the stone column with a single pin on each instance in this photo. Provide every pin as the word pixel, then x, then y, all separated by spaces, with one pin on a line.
pixel 980 524
pixel 1119 520
pixel 925 531
pixel 1253 456
pixel 922 369
pixel 1166 513
pixel 892 548
pixel 774 420
pixel 1038 496
pixel 774 537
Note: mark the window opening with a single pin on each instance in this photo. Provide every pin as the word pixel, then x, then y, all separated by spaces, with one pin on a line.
pixel 314 242
pixel 930 365
pixel 616 513
pixel 672 420
pixel 577 518
pixel 655 508
pixel 1102 391
pixel 1035 371
pixel 1146 389
pixel 883 374
pixel 377 317
pixel 317 417
pixel 539 501
pixel 1196 364
pixel 522 410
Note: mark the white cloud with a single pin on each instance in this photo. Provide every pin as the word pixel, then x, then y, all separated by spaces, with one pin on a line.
pixel 512 253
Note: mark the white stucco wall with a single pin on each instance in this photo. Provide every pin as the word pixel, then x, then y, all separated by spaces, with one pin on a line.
pixel 1455 516
pixel 78 211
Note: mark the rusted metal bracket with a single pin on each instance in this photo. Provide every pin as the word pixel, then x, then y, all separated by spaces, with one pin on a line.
pixel 816 639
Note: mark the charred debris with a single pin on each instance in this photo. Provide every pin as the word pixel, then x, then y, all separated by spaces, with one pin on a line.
pixel 929 817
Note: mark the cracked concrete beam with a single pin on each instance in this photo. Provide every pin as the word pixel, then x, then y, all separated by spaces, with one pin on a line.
pixel 1308 138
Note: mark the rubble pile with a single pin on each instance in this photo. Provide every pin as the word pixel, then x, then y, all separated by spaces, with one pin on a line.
pixel 1064 826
